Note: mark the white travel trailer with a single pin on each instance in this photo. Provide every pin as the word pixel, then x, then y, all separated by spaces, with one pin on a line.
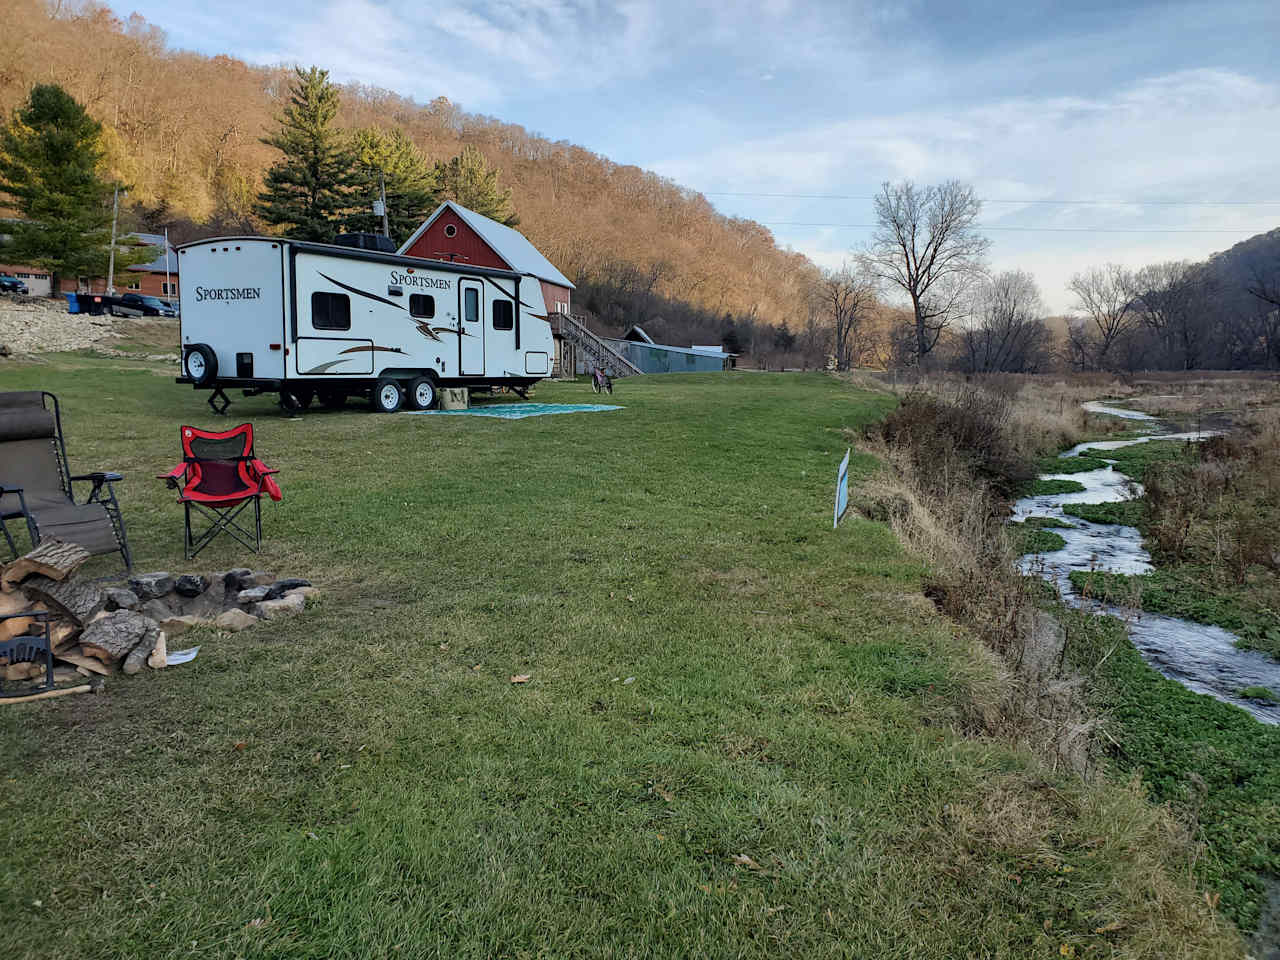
pixel 305 320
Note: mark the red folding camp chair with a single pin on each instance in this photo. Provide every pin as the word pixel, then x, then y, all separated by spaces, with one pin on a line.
pixel 221 478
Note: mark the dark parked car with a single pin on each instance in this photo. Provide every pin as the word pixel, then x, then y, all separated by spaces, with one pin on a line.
pixel 138 305
pixel 10 284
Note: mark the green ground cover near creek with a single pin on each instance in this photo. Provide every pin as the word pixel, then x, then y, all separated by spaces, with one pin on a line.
pixel 1216 766
pixel 744 733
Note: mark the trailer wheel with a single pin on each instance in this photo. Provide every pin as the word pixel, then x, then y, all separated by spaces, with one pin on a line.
pixel 200 364
pixel 387 396
pixel 422 394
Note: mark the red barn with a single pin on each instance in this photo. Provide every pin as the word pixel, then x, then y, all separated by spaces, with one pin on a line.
pixel 458 234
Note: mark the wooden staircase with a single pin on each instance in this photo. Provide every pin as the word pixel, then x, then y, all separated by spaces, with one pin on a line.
pixel 594 350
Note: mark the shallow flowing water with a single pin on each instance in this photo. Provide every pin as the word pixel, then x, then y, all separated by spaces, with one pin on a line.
pixel 1203 658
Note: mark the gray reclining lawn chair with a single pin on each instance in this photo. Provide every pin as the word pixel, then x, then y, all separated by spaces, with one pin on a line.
pixel 35 482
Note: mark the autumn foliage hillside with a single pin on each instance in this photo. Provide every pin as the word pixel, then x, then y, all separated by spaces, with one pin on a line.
pixel 185 130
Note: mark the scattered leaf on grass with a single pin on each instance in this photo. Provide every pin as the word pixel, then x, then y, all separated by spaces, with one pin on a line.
pixel 476 667
pixel 240 744
pixel 1067 950
pixel 311 836
pixel 1111 927
pixel 256 922
pixel 742 860
pixel 444 646
pixel 520 678
pixel 629 680
pixel 664 793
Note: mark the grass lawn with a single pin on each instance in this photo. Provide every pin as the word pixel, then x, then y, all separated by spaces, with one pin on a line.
pixel 743 736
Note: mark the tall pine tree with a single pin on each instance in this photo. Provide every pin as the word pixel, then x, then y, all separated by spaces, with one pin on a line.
pixel 468 180
pixel 50 169
pixel 411 183
pixel 309 189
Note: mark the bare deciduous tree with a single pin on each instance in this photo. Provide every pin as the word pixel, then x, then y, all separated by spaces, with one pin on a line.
pixel 1170 299
pixel 927 246
pixel 1007 333
pixel 1105 294
pixel 845 298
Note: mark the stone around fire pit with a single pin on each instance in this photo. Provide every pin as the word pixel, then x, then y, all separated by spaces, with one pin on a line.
pixel 151 586
pixel 121 598
pixel 235 620
pixel 191 584
pixel 288 606
pixel 281 587
pixel 253 595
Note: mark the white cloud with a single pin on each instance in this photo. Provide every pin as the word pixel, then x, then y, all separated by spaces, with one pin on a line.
pixel 1196 134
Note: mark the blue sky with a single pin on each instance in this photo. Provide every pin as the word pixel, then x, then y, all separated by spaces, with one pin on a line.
pixel 1029 101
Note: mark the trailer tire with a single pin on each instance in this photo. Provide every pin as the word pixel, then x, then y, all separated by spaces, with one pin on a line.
pixel 200 363
pixel 387 396
pixel 422 394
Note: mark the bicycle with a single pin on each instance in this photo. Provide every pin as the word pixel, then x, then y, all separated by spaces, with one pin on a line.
pixel 601 381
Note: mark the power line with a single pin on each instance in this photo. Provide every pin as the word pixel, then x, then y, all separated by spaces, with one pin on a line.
pixel 1089 203
pixel 872 226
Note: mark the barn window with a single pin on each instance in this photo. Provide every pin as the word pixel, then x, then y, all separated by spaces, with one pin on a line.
pixel 503 316
pixel 450 230
pixel 330 311
pixel 422 305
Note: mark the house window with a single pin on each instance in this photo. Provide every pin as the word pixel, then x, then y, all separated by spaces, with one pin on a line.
pixel 503 315
pixel 422 305
pixel 168 289
pixel 330 311
pixel 133 285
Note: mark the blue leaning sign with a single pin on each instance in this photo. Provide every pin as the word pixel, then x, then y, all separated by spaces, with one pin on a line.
pixel 842 489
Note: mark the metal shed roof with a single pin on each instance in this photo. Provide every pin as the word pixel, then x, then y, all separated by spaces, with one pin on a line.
pixel 158 264
pixel 510 245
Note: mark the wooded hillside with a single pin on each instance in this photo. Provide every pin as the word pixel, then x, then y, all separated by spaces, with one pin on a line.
pixel 185 130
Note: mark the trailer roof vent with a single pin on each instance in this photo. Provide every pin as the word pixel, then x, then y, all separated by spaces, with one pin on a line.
pixel 365 241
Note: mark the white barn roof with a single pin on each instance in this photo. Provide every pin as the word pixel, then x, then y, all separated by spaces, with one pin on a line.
pixel 509 244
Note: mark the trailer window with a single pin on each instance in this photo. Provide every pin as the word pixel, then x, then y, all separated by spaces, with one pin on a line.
pixel 471 305
pixel 331 311
pixel 422 305
pixel 503 318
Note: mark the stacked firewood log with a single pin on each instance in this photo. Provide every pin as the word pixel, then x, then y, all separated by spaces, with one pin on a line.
pixel 96 629
pixel 86 637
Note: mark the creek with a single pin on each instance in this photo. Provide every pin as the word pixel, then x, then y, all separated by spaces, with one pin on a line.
pixel 1203 658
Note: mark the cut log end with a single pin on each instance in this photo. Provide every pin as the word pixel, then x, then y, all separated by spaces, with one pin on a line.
pixel 53 559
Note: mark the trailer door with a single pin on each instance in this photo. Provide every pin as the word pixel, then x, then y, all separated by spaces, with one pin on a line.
pixel 471 328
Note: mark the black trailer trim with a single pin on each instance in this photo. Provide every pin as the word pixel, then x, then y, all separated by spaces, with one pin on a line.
pixel 359 292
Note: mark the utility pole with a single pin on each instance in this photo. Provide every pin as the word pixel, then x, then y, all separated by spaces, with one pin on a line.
pixel 111 263
pixel 168 287
pixel 382 194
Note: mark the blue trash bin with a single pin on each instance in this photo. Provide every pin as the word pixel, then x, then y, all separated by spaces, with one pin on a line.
pixel 73 304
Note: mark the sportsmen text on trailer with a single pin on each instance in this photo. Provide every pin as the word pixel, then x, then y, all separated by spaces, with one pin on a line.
pixel 228 293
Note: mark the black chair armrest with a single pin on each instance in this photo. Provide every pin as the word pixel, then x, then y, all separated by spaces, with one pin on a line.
pixel 99 479
pixel 5 488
